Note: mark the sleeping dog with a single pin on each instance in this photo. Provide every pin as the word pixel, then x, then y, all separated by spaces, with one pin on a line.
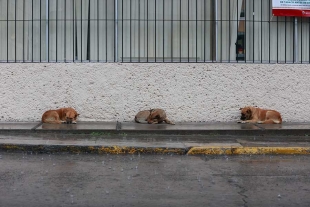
pixel 152 116
pixel 251 114
pixel 59 116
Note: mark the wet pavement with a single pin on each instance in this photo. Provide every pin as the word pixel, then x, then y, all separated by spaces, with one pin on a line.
pixel 63 179
pixel 130 137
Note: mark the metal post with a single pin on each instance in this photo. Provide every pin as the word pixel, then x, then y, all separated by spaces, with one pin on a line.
pixel 47 30
pixel 116 31
pixel 216 29
pixel 296 42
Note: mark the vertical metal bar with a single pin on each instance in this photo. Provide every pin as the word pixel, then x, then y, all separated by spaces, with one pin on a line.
pixel 106 31
pixel 88 45
pixel 221 30
pixel 204 29
pixel 229 36
pixel 122 30
pixel 81 31
pixel 24 31
pixel 115 30
pixel 7 31
pixel 216 32
pixel 172 30
pixel 73 23
pixel 188 30
pixel 15 28
pixel 237 52
pixel 285 31
pixel 98 42
pixel 65 27
pixel 196 30
pixel 295 54
pixel 261 31
pixel 130 60
pixel 40 30
pixel 56 27
pixel 32 31
pixel 245 11
pixel 180 31
pixel 293 41
pixel 147 30
pixel 300 40
pixel 139 22
pixel 155 31
pixel 163 31
pixel 253 30
pixel 277 39
pixel 47 30
pixel 269 20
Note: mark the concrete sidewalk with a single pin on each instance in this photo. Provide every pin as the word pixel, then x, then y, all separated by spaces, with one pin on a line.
pixel 183 138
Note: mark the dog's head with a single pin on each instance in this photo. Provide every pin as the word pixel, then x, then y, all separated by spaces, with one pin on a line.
pixel 71 116
pixel 246 113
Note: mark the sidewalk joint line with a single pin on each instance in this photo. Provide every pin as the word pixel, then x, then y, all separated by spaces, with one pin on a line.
pixel 118 126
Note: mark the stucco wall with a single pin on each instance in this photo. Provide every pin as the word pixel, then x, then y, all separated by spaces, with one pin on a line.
pixel 188 92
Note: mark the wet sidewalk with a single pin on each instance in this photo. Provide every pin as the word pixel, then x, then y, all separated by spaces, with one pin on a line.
pixel 182 138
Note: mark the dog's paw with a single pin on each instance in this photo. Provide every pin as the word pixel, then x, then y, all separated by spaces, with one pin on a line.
pixel 260 122
pixel 74 122
pixel 241 122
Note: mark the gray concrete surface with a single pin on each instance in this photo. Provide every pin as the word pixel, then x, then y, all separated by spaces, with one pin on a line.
pixel 223 128
pixel 92 136
pixel 63 179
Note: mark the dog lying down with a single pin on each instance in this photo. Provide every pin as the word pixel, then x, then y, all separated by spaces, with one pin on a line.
pixel 59 116
pixel 257 115
pixel 152 116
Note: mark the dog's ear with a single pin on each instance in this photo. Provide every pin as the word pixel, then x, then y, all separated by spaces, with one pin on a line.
pixel 249 111
pixel 240 108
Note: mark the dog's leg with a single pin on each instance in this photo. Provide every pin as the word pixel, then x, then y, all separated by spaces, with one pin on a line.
pixel 152 121
pixel 155 121
pixel 253 121
pixel 168 121
pixel 269 121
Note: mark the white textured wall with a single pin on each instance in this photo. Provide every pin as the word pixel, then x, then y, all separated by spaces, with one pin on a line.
pixel 188 92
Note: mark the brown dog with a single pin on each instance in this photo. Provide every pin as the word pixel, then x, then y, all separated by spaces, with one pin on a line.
pixel 251 114
pixel 152 116
pixel 62 115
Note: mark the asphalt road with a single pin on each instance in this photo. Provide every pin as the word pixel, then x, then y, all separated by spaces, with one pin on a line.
pixel 153 180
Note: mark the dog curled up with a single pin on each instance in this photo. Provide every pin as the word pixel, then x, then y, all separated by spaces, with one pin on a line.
pixel 59 116
pixel 152 116
pixel 251 114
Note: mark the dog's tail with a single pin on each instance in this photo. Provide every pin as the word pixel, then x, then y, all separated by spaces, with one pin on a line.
pixel 169 122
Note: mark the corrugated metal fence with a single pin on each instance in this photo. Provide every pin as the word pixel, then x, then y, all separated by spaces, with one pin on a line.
pixel 150 31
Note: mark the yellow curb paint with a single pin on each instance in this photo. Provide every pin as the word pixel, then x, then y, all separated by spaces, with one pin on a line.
pixel 209 149
pixel 248 150
pixel 134 150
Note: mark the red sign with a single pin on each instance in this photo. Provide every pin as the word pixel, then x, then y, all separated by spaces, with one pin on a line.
pixel 295 8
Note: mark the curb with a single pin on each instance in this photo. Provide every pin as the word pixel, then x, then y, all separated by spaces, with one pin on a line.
pixel 249 151
pixel 201 150
pixel 92 149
